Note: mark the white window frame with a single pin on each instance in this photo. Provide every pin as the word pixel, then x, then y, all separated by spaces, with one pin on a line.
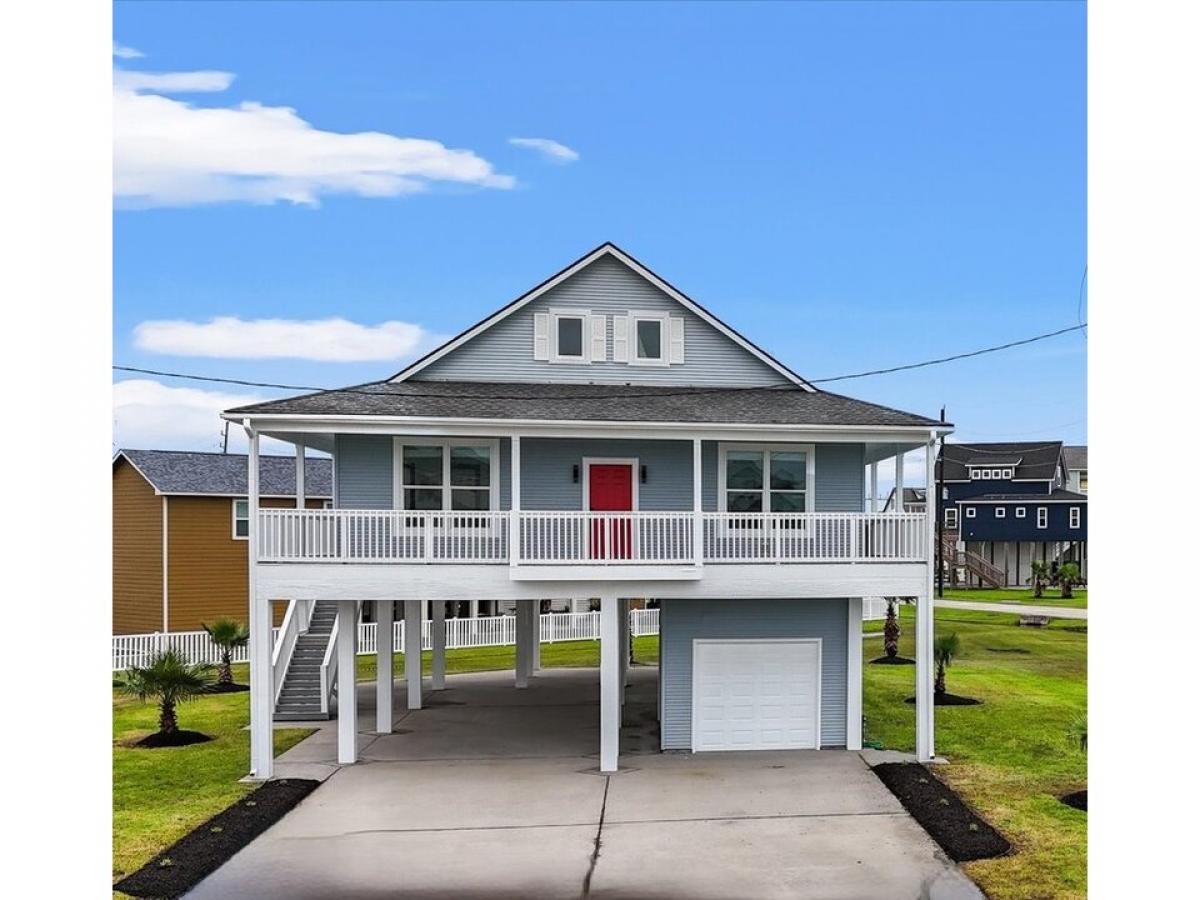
pixel 1043 517
pixel 976 474
pixel 585 345
pixel 664 338
pixel 237 518
pixel 1020 512
pixel 635 470
pixel 493 445
pixel 1076 517
pixel 951 516
pixel 1007 473
pixel 1000 512
pixel 810 471
pixel 969 512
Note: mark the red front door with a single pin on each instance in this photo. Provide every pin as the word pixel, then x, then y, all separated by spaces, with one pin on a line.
pixel 610 489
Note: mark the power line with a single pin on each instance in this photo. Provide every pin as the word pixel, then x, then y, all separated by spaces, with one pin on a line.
pixel 606 396
pixel 957 356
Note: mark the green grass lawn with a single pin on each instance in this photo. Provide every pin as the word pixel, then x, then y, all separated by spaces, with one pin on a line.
pixel 1019 595
pixel 1008 757
pixel 160 795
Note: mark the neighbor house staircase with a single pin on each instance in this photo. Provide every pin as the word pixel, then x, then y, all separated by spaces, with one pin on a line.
pixel 300 697
pixel 972 563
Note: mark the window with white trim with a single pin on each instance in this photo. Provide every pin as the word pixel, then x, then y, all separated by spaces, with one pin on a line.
pixel 970 512
pixel 1020 512
pixel 448 475
pixel 766 478
pixel 241 520
pixel 951 516
pixel 1075 516
pixel 1043 516
pixel 1008 473
pixel 569 337
pixel 976 474
pixel 1000 512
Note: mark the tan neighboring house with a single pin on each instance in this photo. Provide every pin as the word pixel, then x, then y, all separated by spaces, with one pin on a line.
pixel 180 526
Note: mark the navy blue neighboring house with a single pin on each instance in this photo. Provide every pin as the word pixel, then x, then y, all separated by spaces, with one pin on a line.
pixel 1005 505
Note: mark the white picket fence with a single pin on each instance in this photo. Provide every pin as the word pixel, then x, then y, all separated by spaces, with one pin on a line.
pixel 490 631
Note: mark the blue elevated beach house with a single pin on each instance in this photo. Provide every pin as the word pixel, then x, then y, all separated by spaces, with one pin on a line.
pixel 1004 505
pixel 602 437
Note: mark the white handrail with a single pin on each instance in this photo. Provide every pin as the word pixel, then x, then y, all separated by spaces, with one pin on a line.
pixel 573 537
pixel 295 623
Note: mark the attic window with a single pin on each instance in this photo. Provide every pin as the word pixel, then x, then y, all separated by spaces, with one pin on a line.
pixel 568 337
pixel 649 339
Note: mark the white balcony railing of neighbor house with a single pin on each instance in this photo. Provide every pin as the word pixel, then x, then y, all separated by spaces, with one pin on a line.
pixel 586 538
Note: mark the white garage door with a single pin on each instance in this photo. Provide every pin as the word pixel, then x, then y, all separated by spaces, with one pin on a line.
pixel 756 694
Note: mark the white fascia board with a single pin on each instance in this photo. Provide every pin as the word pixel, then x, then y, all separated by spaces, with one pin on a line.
pixel 280 425
pixel 604 250
pixel 1034 500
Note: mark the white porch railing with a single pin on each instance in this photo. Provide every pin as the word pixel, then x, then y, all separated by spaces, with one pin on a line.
pixel 587 538
pixel 295 623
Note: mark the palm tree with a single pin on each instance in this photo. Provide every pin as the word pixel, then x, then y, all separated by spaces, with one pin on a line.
pixel 1077 733
pixel 1068 576
pixel 228 635
pixel 170 679
pixel 891 630
pixel 945 648
pixel 1039 574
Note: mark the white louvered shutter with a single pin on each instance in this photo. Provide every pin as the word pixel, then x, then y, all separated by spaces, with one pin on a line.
pixel 597 325
pixel 620 338
pixel 676 354
pixel 541 336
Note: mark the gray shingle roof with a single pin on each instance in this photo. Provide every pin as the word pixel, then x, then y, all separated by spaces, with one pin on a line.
pixel 1057 495
pixel 185 472
pixel 1076 457
pixel 998 460
pixel 592 402
pixel 1038 458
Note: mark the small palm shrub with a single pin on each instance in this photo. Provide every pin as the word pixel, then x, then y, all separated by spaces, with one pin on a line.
pixel 891 630
pixel 1039 574
pixel 228 635
pixel 169 679
pixel 1077 734
pixel 945 648
pixel 1068 577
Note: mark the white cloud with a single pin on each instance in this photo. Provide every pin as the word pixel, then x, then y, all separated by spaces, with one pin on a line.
pixel 168 152
pixel 122 52
pixel 553 150
pixel 203 81
pixel 151 416
pixel 323 340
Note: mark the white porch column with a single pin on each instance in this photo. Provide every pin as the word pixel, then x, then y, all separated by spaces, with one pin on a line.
pixel 697 505
pixel 262 690
pixel 924 634
pixel 535 639
pixel 474 610
pixel 514 505
pixel 437 641
pixel 899 481
pixel 610 683
pixel 347 696
pixel 300 475
pixel 624 605
pixel 854 672
pixel 522 666
pixel 875 487
pixel 412 651
pixel 385 648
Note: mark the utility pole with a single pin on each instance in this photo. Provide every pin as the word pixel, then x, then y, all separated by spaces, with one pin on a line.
pixel 225 443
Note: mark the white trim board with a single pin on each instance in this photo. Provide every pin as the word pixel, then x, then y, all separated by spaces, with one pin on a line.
pixel 606 249
pixel 810 466
pixel 585 475
pixel 493 445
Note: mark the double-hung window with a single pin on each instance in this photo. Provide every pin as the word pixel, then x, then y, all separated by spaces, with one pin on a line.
pixel 775 478
pixel 456 476
pixel 951 516
pixel 1043 516
pixel 1075 517
pixel 241 520
pixel 568 337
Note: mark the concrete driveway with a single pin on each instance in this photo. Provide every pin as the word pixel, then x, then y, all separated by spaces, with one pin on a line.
pixel 493 792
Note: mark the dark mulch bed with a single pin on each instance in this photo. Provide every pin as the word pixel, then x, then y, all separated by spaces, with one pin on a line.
pixel 197 854
pixel 1078 629
pixel 949 700
pixel 1076 799
pixel 940 811
pixel 174 739
pixel 893 661
pixel 228 688
pixel 1007 650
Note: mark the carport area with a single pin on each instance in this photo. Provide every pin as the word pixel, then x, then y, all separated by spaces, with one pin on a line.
pixel 494 792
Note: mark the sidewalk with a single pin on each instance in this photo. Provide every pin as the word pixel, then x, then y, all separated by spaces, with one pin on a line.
pixel 1024 609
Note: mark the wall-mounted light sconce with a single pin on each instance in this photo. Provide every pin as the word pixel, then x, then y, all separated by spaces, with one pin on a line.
pixel 575 474
pixel 643 474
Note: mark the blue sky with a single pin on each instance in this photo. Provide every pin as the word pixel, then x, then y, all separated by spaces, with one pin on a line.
pixel 852 185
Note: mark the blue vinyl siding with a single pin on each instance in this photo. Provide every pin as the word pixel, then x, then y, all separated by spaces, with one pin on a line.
pixel 364 473
pixel 607 287
pixel 986 527
pixel 682 621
